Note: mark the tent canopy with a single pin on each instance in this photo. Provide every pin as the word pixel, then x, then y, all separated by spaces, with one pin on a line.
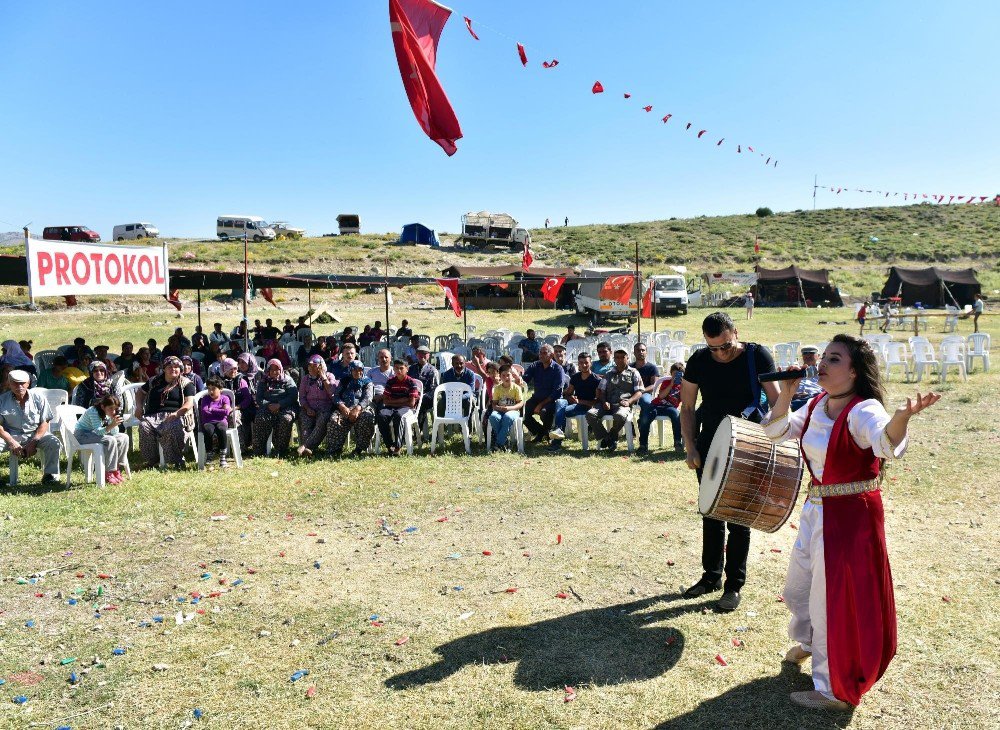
pixel 418 233
pixel 931 286
pixel 485 272
pixel 793 286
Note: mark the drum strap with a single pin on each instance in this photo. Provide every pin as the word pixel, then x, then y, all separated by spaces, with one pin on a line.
pixel 754 409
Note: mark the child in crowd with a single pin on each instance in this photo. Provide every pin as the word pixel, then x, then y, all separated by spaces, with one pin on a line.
pixel 507 400
pixel 213 411
pixel 100 424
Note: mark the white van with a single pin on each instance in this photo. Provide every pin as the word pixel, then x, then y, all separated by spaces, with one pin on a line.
pixel 233 226
pixel 133 231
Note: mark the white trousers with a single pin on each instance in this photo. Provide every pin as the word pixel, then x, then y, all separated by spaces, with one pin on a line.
pixel 805 595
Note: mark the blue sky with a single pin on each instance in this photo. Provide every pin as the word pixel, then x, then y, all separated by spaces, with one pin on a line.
pixel 178 112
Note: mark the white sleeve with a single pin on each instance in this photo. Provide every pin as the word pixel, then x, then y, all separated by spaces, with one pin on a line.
pixel 867 422
pixel 787 427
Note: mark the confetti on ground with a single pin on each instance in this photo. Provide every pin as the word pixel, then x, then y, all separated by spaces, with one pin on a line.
pixel 218 517
pixel 466 616
pixel 442 519
pixel 454 556
pixel 198 713
pixel 570 694
pixel 558 539
pixel 560 594
pixel 671 640
pixel 298 675
pixel 721 660
pixel 946 599
pixel 775 550
pixel 738 643
pixel 402 640
pixel 311 692
pixel 487 553
pixel 512 590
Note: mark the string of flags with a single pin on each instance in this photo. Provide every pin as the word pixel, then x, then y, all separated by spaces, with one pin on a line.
pixel 935 197
pixel 416 27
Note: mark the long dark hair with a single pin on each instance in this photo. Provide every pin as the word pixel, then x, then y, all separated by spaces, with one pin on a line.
pixel 868 381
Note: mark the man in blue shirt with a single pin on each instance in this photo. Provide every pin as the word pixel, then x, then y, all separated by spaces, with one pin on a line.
pixel 808 387
pixel 603 364
pixel 341 369
pixel 546 377
pixel 458 373
pixel 578 398
pixel 530 348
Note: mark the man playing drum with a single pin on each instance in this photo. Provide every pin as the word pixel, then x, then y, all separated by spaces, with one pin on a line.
pixel 726 377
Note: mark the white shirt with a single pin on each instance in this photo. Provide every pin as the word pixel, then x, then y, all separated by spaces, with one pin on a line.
pixel 866 423
pixel 219 337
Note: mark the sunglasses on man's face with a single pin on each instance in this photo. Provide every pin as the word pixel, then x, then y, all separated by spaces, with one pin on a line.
pixel 723 347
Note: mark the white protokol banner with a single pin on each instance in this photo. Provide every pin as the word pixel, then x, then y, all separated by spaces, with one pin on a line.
pixel 62 268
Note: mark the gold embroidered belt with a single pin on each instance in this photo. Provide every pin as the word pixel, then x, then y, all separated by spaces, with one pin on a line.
pixel 818 491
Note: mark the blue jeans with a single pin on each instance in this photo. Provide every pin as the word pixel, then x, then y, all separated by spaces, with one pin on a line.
pixel 565 410
pixel 648 414
pixel 501 424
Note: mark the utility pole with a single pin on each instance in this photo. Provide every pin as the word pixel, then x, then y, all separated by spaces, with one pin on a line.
pixel 815 185
pixel 638 293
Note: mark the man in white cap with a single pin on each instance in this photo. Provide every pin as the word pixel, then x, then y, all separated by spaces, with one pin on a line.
pixel 24 425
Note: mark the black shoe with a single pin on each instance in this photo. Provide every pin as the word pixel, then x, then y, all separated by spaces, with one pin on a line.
pixel 357 452
pixel 605 443
pixel 612 445
pixel 701 588
pixel 538 438
pixel 49 479
pixel 730 601
pixel 555 445
pixel 642 450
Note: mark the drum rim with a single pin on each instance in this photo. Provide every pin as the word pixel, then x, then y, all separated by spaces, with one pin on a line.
pixel 729 466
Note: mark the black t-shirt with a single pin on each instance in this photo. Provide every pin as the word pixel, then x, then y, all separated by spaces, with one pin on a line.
pixel 156 403
pixel 725 388
pixel 270 333
pixel 649 373
pixel 585 389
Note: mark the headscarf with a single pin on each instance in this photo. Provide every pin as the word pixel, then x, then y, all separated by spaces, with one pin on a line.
pixel 14 355
pixel 251 363
pixel 320 379
pixel 103 387
pixel 281 371
pixel 228 364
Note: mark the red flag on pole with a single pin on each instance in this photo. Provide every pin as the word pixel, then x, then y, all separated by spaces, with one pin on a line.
pixel 701 133
pixel 416 26
pixel 551 287
pixel 667 118
pixel 597 88
pixel 618 288
pixel 526 258
pixel 628 96
pixel 174 299
pixel 550 64
pixel 647 301
pixel 648 108
pixel 450 287
pixel 522 54
pixel 468 24
pixel 268 295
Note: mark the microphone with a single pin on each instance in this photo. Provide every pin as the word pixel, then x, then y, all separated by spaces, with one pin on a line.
pixel 810 371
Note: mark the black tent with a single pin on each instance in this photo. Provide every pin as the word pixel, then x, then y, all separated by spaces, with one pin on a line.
pixel 932 287
pixel 794 286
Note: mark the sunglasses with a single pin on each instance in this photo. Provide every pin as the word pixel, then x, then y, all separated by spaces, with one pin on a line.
pixel 723 347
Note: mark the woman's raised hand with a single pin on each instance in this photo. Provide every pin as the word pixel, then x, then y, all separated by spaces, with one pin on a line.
pixel 913 406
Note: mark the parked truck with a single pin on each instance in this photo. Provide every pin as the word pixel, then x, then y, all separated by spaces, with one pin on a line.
pixel 673 294
pixel 493 229
pixel 588 296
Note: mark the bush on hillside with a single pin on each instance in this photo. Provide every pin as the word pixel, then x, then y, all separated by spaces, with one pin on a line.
pixel 764 212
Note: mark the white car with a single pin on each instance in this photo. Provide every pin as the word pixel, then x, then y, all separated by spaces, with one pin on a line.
pixel 282 228
pixel 235 226
pixel 134 231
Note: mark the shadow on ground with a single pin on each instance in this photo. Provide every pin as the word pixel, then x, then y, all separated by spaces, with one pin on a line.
pixel 762 703
pixel 603 646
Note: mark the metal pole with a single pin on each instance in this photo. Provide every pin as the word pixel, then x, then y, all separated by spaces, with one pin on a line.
pixel 246 290
pixel 199 306
pixel 27 257
pixel 465 318
pixel 309 296
pixel 815 185
pixel 652 299
pixel 638 294
pixel 386 290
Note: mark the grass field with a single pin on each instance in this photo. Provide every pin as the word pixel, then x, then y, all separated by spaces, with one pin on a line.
pixel 311 554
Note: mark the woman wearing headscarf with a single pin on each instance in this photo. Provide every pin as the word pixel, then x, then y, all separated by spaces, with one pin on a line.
pixel 316 391
pixel 94 388
pixel 353 412
pixel 164 407
pixel 246 406
pixel 190 374
pixel 247 364
pixel 273 351
pixel 15 357
pixel 277 401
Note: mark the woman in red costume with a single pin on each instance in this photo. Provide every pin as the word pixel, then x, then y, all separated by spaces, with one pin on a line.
pixel 839 585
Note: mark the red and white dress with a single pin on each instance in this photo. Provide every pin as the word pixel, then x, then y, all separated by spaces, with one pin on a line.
pixel 839 584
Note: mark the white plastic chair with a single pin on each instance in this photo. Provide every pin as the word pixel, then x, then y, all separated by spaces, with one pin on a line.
pixel 56 397
pixel 951 321
pixel 128 409
pixel 91 455
pixel 305 336
pixel 897 354
pixel 443 360
pixel 516 430
pixel 261 361
pixel 785 354
pixel 232 433
pixel 453 395
pixel 679 352
pixel 411 426
pixel 924 358
pixel 292 347
pixel 977 345
pixel 953 356
pixel 697 346
pixel 43 359
pixel 679 335
pixel 628 428
pixel 368 355
pixel 582 428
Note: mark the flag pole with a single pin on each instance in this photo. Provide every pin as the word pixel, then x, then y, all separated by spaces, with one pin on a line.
pixel 246 290
pixel 652 300
pixel 638 293
pixel 27 257
pixel 386 291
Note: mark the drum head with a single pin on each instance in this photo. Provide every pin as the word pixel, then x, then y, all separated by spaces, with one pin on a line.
pixel 713 472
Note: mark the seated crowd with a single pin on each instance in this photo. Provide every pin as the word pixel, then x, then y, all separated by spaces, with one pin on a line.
pixel 325 389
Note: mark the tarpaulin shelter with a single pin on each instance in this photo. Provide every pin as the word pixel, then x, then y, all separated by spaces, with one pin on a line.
pixel 520 286
pixel 794 286
pixel 418 233
pixel 932 287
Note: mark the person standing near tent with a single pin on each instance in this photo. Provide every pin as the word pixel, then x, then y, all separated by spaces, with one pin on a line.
pixel 546 222
pixel 748 302
pixel 566 221
pixel 977 309
pixel 862 314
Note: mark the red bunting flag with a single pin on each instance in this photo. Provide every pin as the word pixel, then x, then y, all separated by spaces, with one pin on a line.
pixel 768 162
pixel 268 295
pixel 468 24
pixel 450 287
pixel 701 133
pixel 628 96
pixel 522 54
pixel 750 148
pixel 416 26
pixel 597 88
pixel 526 258
pixel 719 143
pixel 550 64
pixel 688 125
pixel 667 118
pixel 982 198
pixel 740 151
pixel 648 108
pixel 174 299
pixel 618 288
pixel 647 301
pixel 551 287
